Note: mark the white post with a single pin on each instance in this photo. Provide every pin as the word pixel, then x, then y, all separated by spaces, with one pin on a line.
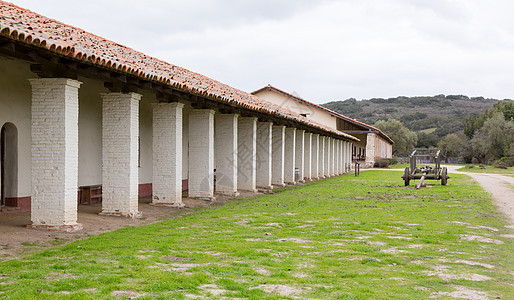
pixel 264 154
pixel 315 157
pixel 299 154
pixel 247 154
pixel 308 157
pixel 333 162
pixel 55 110
pixel 167 154
pixel 120 153
pixel 226 147
pixel 289 155
pixel 322 157
pixel 277 172
pixel 201 154
pixel 327 157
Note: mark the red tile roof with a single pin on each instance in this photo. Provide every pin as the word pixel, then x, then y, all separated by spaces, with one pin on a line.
pixel 269 87
pixel 30 28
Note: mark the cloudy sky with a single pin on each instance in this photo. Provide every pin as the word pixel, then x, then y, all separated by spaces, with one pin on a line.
pixel 322 50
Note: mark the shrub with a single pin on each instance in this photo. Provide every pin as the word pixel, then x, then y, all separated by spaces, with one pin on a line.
pixel 504 162
pixel 384 162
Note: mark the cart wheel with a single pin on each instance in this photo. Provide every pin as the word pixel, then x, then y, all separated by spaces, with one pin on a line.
pixel 406 176
pixel 444 176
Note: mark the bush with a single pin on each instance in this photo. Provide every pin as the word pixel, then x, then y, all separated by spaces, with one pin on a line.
pixel 384 162
pixel 504 162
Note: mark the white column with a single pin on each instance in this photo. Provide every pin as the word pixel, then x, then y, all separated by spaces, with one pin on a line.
pixel 299 154
pixel 289 155
pixel 278 142
pixel 348 156
pixel 308 157
pixel 264 154
pixel 339 157
pixel 326 168
pixel 333 162
pixel 167 154
pixel 54 148
pixel 346 169
pixel 336 157
pixel 226 142
pixel 120 138
pixel 344 156
pixel 315 157
pixel 322 155
pixel 247 154
pixel 201 154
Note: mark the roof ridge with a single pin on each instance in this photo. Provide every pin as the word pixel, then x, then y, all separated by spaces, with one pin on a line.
pixel 271 87
pixel 31 28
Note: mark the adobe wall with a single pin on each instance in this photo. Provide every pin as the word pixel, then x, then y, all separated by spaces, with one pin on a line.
pixel 313 113
pixel 15 108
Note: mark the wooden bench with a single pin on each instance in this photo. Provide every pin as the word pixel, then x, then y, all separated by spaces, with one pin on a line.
pixel 90 192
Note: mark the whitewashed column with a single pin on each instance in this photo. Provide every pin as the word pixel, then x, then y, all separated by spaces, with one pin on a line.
pixel 307 174
pixel 264 154
pixel 322 157
pixel 120 153
pixel 348 154
pixel 226 148
pixel 289 155
pixel 247 154
pixel 346 161
pixel 326 168
pixel 340 156
pixel 299 154
pixel 278 144
pixel 315 157
pixel 336 157
pixel 167 154
pixel 201 154
pixel 54 149
pixel 333 157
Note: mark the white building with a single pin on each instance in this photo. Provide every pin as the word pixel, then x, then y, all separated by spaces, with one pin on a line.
pixel 373 144
pixel 81 114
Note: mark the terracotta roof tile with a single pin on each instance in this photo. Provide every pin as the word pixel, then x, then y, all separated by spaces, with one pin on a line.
pixel 30 28
pixel 269 87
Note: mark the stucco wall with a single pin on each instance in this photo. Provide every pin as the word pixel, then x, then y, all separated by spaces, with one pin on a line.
pixel 15 101
pixel 317 115
pixel 15 108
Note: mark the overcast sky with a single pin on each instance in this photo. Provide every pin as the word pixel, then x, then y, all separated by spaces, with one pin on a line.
pixel 321 50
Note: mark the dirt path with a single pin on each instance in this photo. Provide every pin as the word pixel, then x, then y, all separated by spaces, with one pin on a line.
pixel 499 186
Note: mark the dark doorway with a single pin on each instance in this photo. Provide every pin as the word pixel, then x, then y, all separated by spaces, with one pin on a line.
pixel 9 163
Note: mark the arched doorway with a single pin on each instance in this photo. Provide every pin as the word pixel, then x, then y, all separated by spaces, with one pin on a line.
pixel 9 164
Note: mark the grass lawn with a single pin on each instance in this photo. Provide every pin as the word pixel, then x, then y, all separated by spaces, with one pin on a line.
pixel 488 169
pixel 347 237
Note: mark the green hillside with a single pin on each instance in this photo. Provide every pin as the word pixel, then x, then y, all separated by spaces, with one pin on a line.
pixel 436 116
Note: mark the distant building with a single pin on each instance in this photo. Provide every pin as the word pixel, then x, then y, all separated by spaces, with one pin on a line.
pixel 373 144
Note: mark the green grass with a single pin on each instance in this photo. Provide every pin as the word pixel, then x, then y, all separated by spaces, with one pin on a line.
pixel 365 237
pixel 428 130
pixel 487 169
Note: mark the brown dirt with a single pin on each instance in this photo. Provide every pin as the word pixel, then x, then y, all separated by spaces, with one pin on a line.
pixel 16 239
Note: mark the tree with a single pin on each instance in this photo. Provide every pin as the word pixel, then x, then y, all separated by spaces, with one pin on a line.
pixel 495 139
pixel 426 140
pixel 475 122
pixel 404 139
pixel 450 145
